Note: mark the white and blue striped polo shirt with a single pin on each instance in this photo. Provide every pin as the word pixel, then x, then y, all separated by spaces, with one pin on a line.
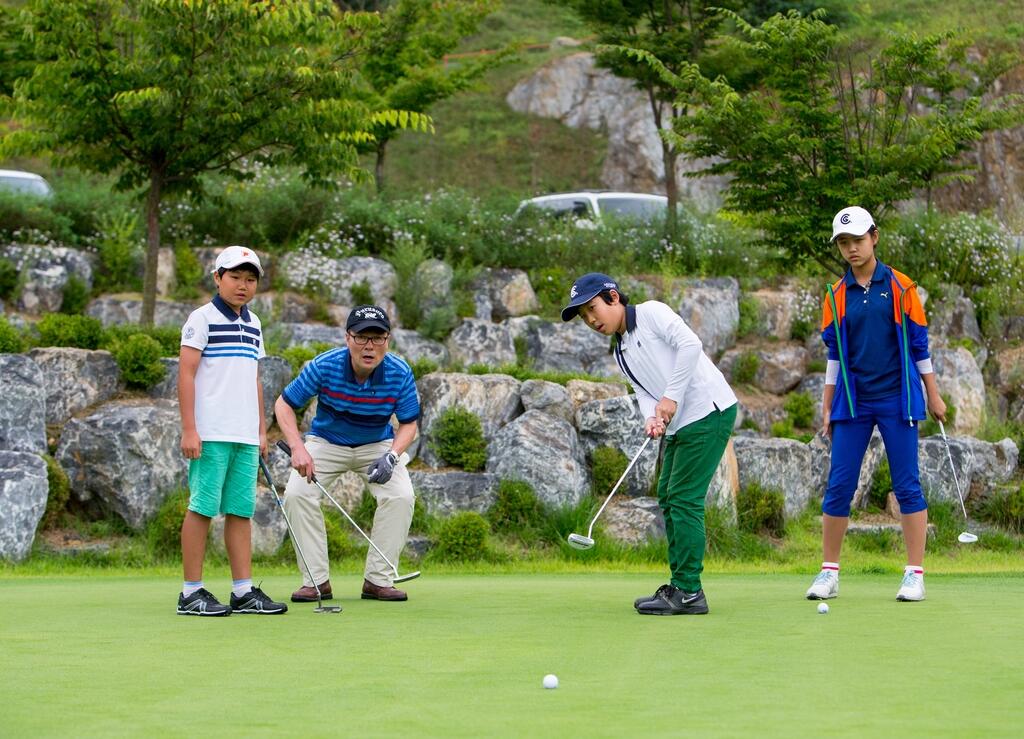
pixel 227 398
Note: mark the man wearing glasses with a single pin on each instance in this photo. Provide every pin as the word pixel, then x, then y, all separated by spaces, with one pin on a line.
pixel 358 388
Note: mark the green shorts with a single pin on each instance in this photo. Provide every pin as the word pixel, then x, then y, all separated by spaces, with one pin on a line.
pixel 223 479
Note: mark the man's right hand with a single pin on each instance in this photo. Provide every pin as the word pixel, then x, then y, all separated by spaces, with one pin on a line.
pixel 191 444
pixel 302 462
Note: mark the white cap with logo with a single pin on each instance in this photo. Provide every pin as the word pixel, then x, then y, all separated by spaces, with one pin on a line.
pixel 235 256
pixel 853 220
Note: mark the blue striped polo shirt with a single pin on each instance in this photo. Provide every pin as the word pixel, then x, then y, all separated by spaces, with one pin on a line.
pixel 227 380
pixel 353 413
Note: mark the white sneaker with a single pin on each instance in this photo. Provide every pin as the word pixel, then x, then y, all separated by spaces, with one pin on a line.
pixel 912 587
pixel 825 586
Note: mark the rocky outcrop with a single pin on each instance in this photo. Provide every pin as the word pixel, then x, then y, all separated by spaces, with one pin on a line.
pixel 634 521
pixel 22 405
pixel 447 492
pixel 958 376
pixel 780 367
pixel 617 423
pixel 549 397
pixel 413 347
pixel 23 493
pixel 481 342
pixel 306 270
pixel 778 464
pixel 121 311
pixel 75 379
pixel 711 309
pixel 45 272
pixel 563 347
pixel 506 292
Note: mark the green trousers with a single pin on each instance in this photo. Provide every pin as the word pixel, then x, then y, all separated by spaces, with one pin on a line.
pixel 691 456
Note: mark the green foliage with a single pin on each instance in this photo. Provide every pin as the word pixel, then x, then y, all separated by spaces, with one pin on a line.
pixel 607 465
pixel 138 357
pixel 9 279
pixel 423 366
pixel 750 423
pixel 439 322
pixel 120 253
pixel 58 329
pixel 28 219
pixel 816 365
pixel 406 256
pixel 760 510
pixel 1006 509
pixel 457 437
pixel 361 293
pixel 298 355
pixel 745 369
pixel 57 496
pixel 339 538
pixel 751 321
pixel 188 272
pixel 517 511
pixel 74 296
pixel 462 538
pixel 164 531
pixel 11 340
pixel 725 539
pixel 168 337
pixel 881 486
pixel 800 409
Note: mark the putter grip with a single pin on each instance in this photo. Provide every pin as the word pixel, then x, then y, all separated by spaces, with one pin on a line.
pixel 266 471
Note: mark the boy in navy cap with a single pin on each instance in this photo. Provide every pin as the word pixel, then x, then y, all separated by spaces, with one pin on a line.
pixel 684 399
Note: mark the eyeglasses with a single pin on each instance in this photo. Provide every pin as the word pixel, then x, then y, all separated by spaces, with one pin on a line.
pixel 361 340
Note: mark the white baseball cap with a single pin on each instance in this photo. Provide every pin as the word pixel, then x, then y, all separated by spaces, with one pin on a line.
pixel 234 256
pixel 853 220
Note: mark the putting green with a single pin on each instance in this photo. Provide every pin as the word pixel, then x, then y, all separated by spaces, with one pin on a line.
pixel 466 654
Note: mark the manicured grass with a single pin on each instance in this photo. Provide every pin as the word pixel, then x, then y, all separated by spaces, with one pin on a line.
pixel 90 656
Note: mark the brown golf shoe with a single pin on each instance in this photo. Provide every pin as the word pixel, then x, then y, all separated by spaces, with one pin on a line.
pixel 378 592
pixel 307 593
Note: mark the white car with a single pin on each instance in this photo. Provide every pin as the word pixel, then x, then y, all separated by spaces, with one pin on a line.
pixel 24 182
pixel 591 207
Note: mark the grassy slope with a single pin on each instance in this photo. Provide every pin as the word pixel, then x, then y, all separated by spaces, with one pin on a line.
pixel 465 657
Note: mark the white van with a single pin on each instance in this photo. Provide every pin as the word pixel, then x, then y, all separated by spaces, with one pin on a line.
pixel 593 206
pixel 25 183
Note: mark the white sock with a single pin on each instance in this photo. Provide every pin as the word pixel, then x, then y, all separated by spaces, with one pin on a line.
pixel 833 566
pixel 915 569
pixel 241 587
pixel 190 587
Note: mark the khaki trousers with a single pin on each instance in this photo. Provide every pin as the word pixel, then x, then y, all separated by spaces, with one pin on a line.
pixel 395 501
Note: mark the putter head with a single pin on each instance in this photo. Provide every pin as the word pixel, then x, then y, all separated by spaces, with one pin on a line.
pixel 327 609
pixel 967 538
pixel 579 541
pixel 408 576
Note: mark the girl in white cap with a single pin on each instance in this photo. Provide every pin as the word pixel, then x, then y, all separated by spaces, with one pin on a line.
pixel 874 326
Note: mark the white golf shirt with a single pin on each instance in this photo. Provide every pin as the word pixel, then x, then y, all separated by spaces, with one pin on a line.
pixel 663 357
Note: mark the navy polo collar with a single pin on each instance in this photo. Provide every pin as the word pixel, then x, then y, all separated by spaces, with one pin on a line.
pixel 877 276
pixel 630 317
pixel 228 311
pixel 376 377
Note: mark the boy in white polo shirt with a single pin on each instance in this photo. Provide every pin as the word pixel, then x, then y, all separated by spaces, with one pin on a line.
pixel 683 397
pixel 223 433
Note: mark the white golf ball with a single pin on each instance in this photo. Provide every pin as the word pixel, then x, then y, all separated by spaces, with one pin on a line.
pixel 823 608
pixel 550 682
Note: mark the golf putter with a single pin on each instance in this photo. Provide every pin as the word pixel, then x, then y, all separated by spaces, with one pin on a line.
pixel 966 537
pixel 578 541
pixel 320 607
pixel 283 446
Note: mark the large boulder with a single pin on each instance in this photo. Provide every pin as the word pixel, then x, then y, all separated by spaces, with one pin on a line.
pixel 549 397
pixel 335 278
pixel 958 376
pixel 23 492
pixel 545 452
pixel 779 464
pixel 780 367
pixel 268 526
pixel 282 306
pixel 617 423
pixel 494 399
pixel 584 391
pixel 76 379
pixel 564 347
pixel 634 520
pixel 481 342
pixel 450 491
pixel 126 455
pixel 434 285
pixel 992 464
pixel 508 292
pixel 776 312
pixel 1008 371
pixel 725 485
pixel 711 308
pixel 45 272
pixel 413 347
pixel 167 388
pixel 953 320
pixel 275 374
pixel 113 311
pixel 22 405
pixel 313 333
pixel 981 467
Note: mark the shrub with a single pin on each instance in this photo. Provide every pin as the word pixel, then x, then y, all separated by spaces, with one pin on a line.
pixel 750 423
pixel 406 256
pixel 297 356
pixel 725 539
pixel 458 439
pixel 1006 509
pixel 760 510
pixel 75 296
pixel 58 329
pixel 164 531
pixel 607 465
pixel 463 537
pixel 881 486
pixel 120 253
pixel 168 337
pixel 422 366
pixel 516 510
pixel 745 369
pixel 188 272
pixel 11 340
pixel 750 317
pixel 783 429
pixel 339 535
pixel 9 279
pixel 800 409
pixel 59 492
pixel 816 365
pixel 138 356
pixel 439 322
pixel 361 293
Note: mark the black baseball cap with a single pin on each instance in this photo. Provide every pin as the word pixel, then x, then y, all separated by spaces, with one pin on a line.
pixel 363 317
pixel 585 289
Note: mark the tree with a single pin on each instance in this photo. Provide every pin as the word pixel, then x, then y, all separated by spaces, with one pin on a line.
pixel 678 33
pixel 826 125
pixel 161 92
pixel 404 66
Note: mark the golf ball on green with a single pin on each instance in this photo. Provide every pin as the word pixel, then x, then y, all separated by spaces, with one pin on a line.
pixel 550 682
pixel 823 608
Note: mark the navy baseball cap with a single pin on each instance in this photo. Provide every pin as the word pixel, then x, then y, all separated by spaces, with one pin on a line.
pixel 585 289
pixel 363 317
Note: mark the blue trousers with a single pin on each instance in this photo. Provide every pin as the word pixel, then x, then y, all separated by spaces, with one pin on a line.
pixel 849 442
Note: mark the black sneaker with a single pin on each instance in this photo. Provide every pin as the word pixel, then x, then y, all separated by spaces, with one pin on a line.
pixel 675 602
pixel 645 598
pixel 256 601
pixel 201 603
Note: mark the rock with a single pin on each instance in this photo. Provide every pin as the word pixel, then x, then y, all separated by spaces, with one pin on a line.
pixel 509 291
pixel 481 342
pixel 417 546
pixel 434 285
pixel 548 397
pixel 127 455
pixel 937 478
pixel 813 385
pixel 75 379
pixel 494 399
pixel 780 367
pixel 725 485
pixel 166 280
pixel 958 376
pixel 564 42
pixel 167 388
pixel 544 452
pixel 306 270
pixel 1008 374
pixel 23 491
pixel 448 492
pixel 953 319
pixel 584 391
pixel 412 347
pixel 119 311
pixel 268 527
pixel 275 307
pixel 45 272
pixel 22 405
pixel 307 334
pixel 776 311
pixel 759 408
pixel 616 423
pixel 564 347
pixel 711 309
pixel 992 464
pixel 777 464
pixel 634 520
pixel 275 374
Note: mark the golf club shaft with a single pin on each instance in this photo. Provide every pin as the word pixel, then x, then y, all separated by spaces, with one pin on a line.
pixel 288 523
pixel 590 531
pixel 953 468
